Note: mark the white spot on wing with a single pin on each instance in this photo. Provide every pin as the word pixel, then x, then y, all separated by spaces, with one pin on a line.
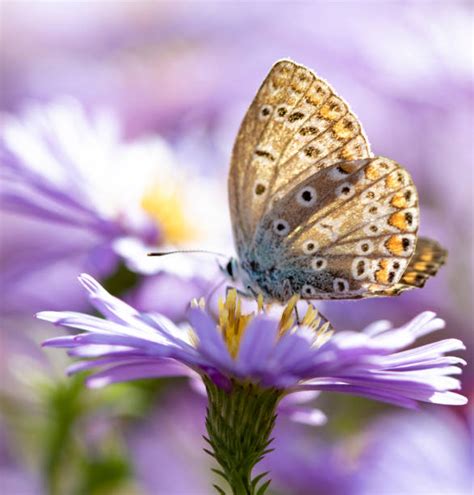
pixel 310 246
pixel 340 285
pixel 307 196
pixel 345 191
pixel 281 227
pixel 308 291
pixel 360 268
pixel 364 247
pixel 318 263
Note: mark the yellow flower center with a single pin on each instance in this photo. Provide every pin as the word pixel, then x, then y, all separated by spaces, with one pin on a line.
pixel 164 204
pixel 232 323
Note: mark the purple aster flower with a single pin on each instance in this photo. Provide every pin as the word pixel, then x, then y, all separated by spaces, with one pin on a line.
pixel 249 362
pixel 374 363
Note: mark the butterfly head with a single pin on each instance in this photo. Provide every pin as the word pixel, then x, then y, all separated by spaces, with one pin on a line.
pixel 234 271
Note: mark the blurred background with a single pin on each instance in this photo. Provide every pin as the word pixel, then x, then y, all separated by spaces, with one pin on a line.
pixel 117 122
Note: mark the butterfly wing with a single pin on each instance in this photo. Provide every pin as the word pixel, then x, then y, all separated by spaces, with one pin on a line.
pixel 428 258
pixel 350 231
pixel 295 126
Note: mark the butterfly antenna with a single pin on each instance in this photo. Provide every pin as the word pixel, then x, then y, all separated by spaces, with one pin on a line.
pixel 188 251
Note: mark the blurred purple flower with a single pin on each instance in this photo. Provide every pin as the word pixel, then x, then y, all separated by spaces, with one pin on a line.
pixel 416 453
pixel 75 196
pixel 167 447
pixel 303 462
pixel 16 477
pixel 271 352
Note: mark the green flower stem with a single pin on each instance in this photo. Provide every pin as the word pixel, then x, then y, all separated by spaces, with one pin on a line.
pixel 239 424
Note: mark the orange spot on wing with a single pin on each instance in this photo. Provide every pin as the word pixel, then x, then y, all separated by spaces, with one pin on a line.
pixel 414 278
pixel 426 256
pixel 343 129
pixel 382 274
pixel 372 172
pixel 314 98
pixel 399 200
pixel 329 112
pixel 421 266
pixel 399 221
pixel 347 153
pixel 395 245
pixel 391 181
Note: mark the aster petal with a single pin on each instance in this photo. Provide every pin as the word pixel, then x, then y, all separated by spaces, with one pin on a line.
pixel 97 325
pixel 93 351
pixel 60 342
pixel 369 393
pixel 211 344
pixel 257 344
pixel 377 327
pixel 419 326
pixel 448 399
pixel 112 307
pixel 136 371
pixel 443 361
pixel 427 351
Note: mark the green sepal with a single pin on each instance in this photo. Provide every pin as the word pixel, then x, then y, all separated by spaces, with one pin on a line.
pixel 239 423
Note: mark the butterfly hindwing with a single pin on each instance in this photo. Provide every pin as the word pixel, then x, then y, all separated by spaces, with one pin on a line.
pixel 425 263
pixel 295 126
pixel 350 229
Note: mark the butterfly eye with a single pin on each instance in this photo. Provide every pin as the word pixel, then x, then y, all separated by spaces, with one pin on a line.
pixel 230 269
pixel 281 227
pixel 307 196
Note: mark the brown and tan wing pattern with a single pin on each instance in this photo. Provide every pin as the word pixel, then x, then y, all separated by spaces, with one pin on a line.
pixel 295 126
pixel 429 257
pixel 347 231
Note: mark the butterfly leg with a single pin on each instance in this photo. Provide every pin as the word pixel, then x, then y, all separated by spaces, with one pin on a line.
pixel 246 295
pixel 324 317
pixel 297 316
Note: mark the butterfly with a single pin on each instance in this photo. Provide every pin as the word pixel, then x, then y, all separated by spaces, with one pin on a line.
pixel 313 211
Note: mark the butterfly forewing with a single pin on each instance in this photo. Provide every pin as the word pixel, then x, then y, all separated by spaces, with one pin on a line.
pixel 295 126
